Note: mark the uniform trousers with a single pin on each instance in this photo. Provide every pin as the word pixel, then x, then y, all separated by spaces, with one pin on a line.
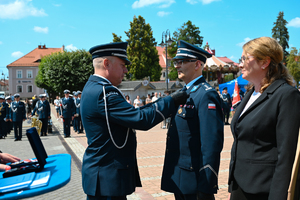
pixel 8 127
pixel 79 124
pixel 18 129
pixel 3 132
pixel 44 126
pixel 198 196
pixel 67 130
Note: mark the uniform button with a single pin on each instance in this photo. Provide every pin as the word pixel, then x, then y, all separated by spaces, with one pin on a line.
pixel 127 166
pixel 183 114
pixel 191 167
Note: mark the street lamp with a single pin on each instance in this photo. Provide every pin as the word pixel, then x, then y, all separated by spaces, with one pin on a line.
pixel 166 43
pixel 4 84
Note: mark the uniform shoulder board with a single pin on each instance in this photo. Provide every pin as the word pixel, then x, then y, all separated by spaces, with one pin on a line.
pixel 206 86
pixel 104 83
pixel 195 88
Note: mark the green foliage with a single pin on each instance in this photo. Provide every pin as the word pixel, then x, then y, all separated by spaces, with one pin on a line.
pixel 228 77
pixel 117 38
pixel 281 34
pixel 189 33
pixel 142 51
pixel 293 64
pixel 64 70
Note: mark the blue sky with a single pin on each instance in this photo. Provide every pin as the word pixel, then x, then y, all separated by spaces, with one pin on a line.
pixel 224 24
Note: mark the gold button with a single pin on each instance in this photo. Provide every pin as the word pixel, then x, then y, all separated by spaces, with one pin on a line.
pixel 183 114
pixel 191 167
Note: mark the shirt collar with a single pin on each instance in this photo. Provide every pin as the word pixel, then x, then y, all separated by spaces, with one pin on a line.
pixel 192 82
pixel 102 77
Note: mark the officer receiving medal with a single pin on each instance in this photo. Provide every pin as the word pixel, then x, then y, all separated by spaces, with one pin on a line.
pixel 109 167
pixel 195 136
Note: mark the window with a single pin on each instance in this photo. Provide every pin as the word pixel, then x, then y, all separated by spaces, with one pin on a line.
pixel 19 73
pixel 29 88
pixel 29 73
pixel 19 88
pixel 164 74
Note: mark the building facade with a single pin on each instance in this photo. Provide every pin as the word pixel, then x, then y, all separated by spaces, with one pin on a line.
pixel 23 71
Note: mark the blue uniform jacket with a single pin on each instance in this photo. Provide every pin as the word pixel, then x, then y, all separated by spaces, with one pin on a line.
pixel 4 111
pixel 42 109
pixel 18 111
pixel 77 106
pixel 107 169
pixel 194 143
pixel 67 107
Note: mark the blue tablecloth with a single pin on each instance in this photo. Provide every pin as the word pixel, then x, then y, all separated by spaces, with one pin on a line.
pixel 60 167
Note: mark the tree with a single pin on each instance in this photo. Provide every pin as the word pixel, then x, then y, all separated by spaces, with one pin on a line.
pixel 189 33
pixel 117 38
pixel 281 34
pixel 293 64
pixel 64 70
pixel 142 51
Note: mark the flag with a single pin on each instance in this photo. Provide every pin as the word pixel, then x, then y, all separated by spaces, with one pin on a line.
pixel 236 95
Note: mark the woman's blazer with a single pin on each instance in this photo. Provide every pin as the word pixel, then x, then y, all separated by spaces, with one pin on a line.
pixel 265 141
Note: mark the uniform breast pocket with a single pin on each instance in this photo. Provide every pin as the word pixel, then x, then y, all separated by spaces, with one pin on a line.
pixel 186 111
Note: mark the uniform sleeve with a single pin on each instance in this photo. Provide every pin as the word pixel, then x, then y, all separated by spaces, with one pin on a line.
pixel 23 111
pixel 73 108
pixel 121 112
pixel 287 130
pixel 211 140
pixel 49 109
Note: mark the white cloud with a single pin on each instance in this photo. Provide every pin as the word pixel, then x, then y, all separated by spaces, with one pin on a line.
pixel 1 42
pixel 232 57
pixel 41 30
pixel 71 47
pixel 144 3
pixel 295 22
pixel 19 9
pixel 242 43
pixel 17 54
pixel 163 13
pixel 57 5
pixel 203 1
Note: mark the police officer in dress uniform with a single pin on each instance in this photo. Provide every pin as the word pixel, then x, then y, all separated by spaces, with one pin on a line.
pixel 227 103
pixel 42 107
pixel 195 136
pixel 67 111
pixel 75 121
pixel 109 168
pixel 9 125
pixel 79 126
pixel 4 117
pixel 18 115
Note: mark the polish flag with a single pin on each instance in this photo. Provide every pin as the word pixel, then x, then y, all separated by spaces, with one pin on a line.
pixel 211 106
pixel 236 95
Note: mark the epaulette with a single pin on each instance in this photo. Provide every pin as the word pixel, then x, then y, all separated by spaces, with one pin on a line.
pixel 206 86
pixel 104 83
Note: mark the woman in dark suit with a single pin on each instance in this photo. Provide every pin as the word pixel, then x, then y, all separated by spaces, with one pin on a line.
pixel 265 126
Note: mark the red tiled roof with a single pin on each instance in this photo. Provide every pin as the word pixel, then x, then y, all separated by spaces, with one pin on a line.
pixel 162 56
pixel 33 58
pixel 225 59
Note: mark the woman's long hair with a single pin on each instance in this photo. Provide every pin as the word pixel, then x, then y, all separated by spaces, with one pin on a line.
pixel 263 48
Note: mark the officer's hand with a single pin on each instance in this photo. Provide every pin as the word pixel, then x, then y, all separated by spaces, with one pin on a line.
pixel 6 158
pixel 72 118
pixel 61 116
pixel 179 97
pixel 7 120
pixel 49 117
pixel 23 120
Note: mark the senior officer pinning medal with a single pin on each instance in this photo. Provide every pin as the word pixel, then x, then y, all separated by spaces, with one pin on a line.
pixel 67 111
pixel 42 107
pixel 18 115
pixel 109 167
pixel 195 136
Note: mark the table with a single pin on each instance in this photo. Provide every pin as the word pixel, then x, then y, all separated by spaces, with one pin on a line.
pixel 60 167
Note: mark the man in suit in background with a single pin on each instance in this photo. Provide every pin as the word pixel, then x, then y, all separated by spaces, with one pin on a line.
pixel 195 136
pixel 227 104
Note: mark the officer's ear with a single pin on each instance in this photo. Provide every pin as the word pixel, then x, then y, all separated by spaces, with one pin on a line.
pixel 106 63
pixel 198 65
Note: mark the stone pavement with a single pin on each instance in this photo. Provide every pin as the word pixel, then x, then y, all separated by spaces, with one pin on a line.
pixel 150 153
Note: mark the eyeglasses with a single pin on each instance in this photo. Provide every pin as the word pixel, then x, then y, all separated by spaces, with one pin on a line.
pixel 243 58
pixel 181 62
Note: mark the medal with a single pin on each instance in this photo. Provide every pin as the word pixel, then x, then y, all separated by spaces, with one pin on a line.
pixel 180 111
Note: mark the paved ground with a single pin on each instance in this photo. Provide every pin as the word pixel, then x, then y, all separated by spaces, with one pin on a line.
pixel 150 153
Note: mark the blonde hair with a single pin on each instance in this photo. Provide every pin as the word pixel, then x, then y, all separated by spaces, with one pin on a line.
pixel 268 48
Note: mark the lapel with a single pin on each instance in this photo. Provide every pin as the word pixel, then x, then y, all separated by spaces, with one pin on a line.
pixel 263 97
